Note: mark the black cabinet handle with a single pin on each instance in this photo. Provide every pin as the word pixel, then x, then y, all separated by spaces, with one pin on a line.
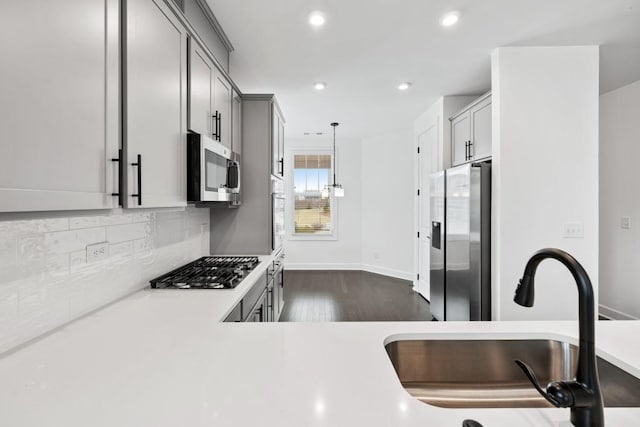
pixel 215 126
pixel 470 155
pixel 281 168
pixel 466 150
pixel 219 127
pixel 139 165
pixel 120 192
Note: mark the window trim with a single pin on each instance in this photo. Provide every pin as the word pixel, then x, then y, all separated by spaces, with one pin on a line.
pixel 291 235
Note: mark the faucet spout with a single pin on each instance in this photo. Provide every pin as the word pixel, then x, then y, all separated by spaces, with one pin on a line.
pixel 585 396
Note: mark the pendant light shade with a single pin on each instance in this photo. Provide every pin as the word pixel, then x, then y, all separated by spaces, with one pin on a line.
pixel 337 189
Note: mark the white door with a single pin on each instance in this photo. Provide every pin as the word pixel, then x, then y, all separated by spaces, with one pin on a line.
pixel 427 164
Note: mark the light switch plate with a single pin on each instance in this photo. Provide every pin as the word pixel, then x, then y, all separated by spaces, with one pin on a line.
pixel 625 222
pixel 573 230
pixel 97 251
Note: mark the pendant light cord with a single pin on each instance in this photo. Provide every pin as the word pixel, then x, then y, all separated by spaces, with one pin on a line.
pixel 334 124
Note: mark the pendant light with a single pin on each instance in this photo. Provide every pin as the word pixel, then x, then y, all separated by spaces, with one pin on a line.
pixel 337 189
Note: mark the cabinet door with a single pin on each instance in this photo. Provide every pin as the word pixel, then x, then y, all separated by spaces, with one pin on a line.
pixel 155 105
pixel 460 136
pixel 201 78
pixel 275 137
pixel 222 103
pixel 59 103
pixel 236 124
pixel 281 145
pixel 481 129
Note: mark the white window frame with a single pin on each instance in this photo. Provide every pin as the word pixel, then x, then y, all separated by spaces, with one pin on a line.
pixel 333 235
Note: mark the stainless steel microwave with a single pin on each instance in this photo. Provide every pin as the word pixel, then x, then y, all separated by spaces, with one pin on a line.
pixel 213 171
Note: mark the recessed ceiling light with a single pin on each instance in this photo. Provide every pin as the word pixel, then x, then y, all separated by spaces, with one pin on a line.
pixel 404 86
pixel 317 19
pixel 450 18
pixel 319 85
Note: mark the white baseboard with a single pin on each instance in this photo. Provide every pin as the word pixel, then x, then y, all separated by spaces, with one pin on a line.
pixel 349 266
pixel 614 314
pixel 387 272
pixel 321 266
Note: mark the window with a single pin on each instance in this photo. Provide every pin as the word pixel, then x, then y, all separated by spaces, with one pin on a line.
pixel 314 215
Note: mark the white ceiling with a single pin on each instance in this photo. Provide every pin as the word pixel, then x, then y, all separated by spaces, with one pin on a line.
pixel 368 47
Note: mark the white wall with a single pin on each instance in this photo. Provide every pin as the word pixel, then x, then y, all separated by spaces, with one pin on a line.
pixel 45 280
pixel 388 193
pixel 545 172
pixel 345 252
pixel 375 218
pixel 620 196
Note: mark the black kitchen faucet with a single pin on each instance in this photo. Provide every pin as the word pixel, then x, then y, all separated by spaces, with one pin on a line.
pixel 582 394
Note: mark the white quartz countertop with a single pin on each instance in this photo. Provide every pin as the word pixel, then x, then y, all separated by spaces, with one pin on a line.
pixel 163 358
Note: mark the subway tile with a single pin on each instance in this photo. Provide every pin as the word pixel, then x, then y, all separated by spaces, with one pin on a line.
pixel 34 226
pixel 8 302
pixel 77 258
pixel 126 232
pixel 64 241
pixel 50 282
pixel 84 222
pixel 142 245
pixel 142 216
pixel 121 250
pixel 116 219
pixel 168 232
pixel 8 250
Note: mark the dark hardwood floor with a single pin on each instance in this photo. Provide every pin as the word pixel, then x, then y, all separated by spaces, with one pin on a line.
pixel 337 296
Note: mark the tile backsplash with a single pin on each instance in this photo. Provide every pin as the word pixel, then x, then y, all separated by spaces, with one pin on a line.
pixel 46 280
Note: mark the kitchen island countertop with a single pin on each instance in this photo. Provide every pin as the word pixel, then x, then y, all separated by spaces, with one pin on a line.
pixel 163 358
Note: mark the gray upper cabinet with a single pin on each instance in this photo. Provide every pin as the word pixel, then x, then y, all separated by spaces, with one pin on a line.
pixel 471 132
pixel 59 106
pixel 481 129
pixel 460 136
pixel 277 142
pixel 210 97
pixel 223 96
pixel 155 105
pixel 201 78
pixel 236 122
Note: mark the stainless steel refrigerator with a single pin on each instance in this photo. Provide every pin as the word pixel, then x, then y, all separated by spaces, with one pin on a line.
pixel 460 271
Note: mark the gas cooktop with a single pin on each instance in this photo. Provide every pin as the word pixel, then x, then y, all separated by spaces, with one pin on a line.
pixel 209 272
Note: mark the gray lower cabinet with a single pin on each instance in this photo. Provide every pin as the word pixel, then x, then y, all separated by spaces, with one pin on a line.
pixel 59 104
pixel 471 132
pixel 249 230
pixel 265 300
pixel 155 105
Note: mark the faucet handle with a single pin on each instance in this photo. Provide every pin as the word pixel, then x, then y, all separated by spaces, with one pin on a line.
pixel 558 393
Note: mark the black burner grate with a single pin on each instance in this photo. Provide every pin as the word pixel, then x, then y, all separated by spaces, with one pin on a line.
pixel 208 273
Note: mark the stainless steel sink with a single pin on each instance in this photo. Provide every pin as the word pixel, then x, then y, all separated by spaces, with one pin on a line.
pixel 482 373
